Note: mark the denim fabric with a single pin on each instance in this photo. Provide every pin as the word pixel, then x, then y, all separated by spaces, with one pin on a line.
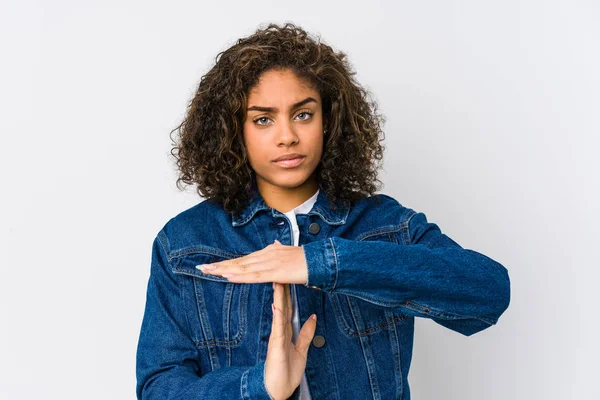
pixel 372 268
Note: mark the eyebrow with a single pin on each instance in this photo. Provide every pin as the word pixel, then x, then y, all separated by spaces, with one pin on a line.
pixel 275 109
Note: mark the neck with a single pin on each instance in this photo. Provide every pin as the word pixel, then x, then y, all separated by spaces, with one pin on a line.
pixel 285 199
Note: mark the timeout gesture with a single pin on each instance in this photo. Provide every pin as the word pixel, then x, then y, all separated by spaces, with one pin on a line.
pixel 286 362
pixel 274 263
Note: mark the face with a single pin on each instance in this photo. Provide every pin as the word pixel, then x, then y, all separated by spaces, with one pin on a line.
pixel 284 116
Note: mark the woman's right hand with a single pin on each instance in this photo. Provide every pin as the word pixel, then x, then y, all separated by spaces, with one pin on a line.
pixel 286 362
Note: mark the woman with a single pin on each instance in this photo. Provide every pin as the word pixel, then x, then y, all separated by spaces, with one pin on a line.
pixel 283 143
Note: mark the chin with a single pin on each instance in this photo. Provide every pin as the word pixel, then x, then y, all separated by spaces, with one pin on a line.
pixel 290 181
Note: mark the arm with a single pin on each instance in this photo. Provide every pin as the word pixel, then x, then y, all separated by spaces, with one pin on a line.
pixel 431 277
pixel 166 363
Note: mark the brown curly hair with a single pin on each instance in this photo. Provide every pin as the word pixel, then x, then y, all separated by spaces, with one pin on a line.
pixel 210 152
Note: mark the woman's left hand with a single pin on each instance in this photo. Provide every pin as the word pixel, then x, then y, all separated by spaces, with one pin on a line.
pixel 275 263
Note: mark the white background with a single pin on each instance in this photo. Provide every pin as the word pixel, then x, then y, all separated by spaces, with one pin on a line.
pixel 492 127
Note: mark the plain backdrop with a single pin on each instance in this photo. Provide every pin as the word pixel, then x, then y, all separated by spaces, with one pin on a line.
pixel 492 131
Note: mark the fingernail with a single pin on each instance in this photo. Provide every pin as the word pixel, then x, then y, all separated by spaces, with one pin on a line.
pixel 273 308
pixel 207 267
pixel 313 317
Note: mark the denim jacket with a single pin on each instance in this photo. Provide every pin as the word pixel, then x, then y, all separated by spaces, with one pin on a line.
pixel 372 268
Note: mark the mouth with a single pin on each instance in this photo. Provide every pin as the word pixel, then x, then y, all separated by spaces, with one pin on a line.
pixel 291 163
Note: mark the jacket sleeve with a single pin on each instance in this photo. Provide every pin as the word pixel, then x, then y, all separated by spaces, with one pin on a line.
pixel 432 276
pixel 166 359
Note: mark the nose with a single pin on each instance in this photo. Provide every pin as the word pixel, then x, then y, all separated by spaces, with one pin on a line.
pixel 286 134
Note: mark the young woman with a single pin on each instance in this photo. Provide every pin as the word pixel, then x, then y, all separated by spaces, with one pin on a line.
pixel 283 143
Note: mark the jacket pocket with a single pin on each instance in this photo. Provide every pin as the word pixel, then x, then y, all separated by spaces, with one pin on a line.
pixel 216 309
pixel 357 317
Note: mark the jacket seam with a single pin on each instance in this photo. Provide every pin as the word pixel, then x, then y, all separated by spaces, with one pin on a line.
pixel 379 231
pixel 200 249
pixel 407 226
pixel 162 239
pixel 335 263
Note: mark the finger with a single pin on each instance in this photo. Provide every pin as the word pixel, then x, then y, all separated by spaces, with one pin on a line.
pixel 306 335
pixel 278 326
pixel 287 302
pixel 259 276
pixel 278 295
pixel 229 267
pixel 288 299
pixel 289 311
pixel 252 258
pixel 277 336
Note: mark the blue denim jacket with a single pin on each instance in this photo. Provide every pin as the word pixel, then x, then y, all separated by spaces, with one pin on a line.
pixel 372 268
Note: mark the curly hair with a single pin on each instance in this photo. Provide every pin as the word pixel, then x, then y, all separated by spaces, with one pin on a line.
pixel 210 152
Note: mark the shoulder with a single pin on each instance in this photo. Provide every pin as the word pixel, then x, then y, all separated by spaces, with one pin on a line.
pixel 379 214
pixel 193 224
pixel 384 207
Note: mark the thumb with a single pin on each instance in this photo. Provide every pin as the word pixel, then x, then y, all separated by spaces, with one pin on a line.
pixel 306 334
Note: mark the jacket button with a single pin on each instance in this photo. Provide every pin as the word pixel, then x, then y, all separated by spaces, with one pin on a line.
pixel 318 341
pixel 314 228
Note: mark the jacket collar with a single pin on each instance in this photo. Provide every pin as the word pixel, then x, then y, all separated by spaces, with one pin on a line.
pixel 320 208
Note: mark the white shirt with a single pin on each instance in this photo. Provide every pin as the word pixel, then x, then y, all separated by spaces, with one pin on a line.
pixel 291 215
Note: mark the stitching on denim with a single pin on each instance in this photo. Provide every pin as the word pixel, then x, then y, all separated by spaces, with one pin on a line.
pixel 204 324
pixel 244 293
pixel 339 314
pixel 237 338
pixel 371 299
pixel 379 231
pixel 162 239
pixel 212 342
pixel 244 385
pixel 200 249
pixel 350 332
pixel 199 274
pixel 411 305
pixel 409 218
pixel 184 305
pixel 393 321
pixel 205 344
pixel 259 233
pixel 437 313
pixel 405 227
pixel 416 306
pixel 440 314
pixel 366 350
pixel 307 268
pixel 226 311
pixel 397 355
pixel 393 238
pixel 335 261
pixel 329 221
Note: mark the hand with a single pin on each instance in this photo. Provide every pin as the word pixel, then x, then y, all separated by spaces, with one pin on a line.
pixel 274 263
pixel 286 362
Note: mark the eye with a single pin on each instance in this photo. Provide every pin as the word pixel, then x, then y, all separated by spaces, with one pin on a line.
pixel 259 119
pixel 307 113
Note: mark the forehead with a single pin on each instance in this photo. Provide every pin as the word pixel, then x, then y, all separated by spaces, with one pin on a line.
pixel 281 86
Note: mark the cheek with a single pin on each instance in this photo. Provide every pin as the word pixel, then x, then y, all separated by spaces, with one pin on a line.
pixel 255 148
pixel 316 140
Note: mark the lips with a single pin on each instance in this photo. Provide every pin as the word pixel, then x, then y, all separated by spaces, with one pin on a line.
pixel 290 162
pixel 288 157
